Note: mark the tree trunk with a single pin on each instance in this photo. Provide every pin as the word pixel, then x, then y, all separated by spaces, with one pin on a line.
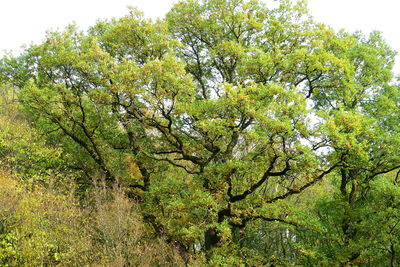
pixel 211 239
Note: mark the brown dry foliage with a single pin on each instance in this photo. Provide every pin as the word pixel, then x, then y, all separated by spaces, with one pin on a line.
pixel 44 228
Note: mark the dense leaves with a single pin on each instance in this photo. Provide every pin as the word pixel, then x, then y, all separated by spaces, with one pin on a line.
pixel 247 134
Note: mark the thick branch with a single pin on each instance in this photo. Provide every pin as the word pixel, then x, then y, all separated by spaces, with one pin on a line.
pixel 266 175
pixel 304 187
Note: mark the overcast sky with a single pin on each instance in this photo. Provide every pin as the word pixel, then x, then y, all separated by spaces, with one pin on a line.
pixel 26 21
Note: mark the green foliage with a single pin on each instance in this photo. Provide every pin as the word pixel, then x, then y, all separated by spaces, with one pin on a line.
pixel 248 135
pixel 25 153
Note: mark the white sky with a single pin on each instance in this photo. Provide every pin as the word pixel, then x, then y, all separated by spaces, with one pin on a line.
pixel 26 21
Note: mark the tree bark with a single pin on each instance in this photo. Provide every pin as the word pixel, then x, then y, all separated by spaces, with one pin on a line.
pixel 211 239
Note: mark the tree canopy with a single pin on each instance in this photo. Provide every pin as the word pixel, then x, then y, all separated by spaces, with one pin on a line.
pixel 248 135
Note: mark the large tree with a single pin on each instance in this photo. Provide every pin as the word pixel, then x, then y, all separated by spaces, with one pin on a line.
pixel 220 119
